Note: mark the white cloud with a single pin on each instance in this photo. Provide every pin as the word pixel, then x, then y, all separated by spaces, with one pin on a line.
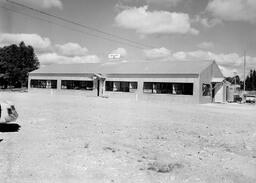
pixel 54 58
pixel 155 22
pixel 157 53
pixel 38 42
pixel 210 22
pixel 229 63
pixel 170 2
pixel 46 4
pixel 71 49
pixel 206 45
pixel 231 59
pixel 121 51
pixel 164 2
pixel 89 59
pixel 207 22
pixel 67 54
pixel 233 10
pixel 49 54
pixel 229 71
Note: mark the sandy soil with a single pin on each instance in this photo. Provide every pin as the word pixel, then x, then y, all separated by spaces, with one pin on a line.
pixel 65 138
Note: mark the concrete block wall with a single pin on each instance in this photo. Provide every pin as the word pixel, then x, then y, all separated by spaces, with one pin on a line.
pixel 59 90
pixel 138 94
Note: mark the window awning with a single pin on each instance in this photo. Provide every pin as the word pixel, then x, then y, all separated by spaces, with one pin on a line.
pixel 217 80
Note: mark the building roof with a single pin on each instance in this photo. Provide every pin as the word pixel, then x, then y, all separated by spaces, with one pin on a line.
pixel 170 67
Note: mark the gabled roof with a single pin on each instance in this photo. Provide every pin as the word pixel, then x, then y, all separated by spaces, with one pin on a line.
pixel 170 67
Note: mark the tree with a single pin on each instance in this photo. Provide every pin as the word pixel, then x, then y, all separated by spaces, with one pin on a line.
pixel 15 64
pixel 234 80
pixel 250 81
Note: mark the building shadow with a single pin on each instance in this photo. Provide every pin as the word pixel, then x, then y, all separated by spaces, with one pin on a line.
pixel 11 127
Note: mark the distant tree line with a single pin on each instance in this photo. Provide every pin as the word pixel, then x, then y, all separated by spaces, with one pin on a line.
pixel 16 61
pixel 250 81
pixel 234 80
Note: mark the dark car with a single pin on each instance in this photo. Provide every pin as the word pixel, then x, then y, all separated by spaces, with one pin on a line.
pixel 237 98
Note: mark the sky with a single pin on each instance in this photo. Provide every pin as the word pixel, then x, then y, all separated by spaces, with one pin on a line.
pixel 164 30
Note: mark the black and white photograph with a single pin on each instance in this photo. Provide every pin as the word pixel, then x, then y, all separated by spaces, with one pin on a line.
pixel 127 91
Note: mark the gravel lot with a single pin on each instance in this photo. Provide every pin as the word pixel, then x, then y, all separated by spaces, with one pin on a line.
pixel 65 138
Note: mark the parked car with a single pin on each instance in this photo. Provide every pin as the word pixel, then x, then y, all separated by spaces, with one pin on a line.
pixel 8 112
pixel 237 98
pixel 250 99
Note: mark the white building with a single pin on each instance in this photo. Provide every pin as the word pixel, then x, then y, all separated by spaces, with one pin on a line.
pixel 176 81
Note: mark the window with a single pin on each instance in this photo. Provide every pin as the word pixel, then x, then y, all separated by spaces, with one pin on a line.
pixel 163 87
pixel 109 85
pixel 121 86
pixel 133 86
pixel 177 88
pixel 148 87
pixel 116 86
pixel 168 88
pixel 206 89
pixel 76 85
pixel 43 83
pixel 188 89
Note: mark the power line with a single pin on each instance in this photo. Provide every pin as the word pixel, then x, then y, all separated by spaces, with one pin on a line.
pixel 79 24
pixel 83 32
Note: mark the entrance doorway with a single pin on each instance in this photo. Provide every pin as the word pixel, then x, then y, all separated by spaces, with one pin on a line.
pixel 98 87
pixel 213 92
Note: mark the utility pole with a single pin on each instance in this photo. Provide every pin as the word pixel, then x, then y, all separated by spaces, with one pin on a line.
pixel 244 68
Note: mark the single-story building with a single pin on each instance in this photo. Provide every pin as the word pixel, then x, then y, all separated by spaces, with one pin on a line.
pixel 176 81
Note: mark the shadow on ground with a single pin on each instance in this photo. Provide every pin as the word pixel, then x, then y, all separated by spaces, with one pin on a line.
pixel 12 127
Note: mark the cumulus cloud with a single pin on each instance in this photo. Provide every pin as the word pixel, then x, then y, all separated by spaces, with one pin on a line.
pixel 154 22
pixel 229 63
pixel 171 2
pixel 229 71
pixel 71 49
pixel 121 51
pixel 159 2
pixel 48 53
pixel 231 59
pixel 54 58
pixel 206 21
pixel 157 53
pixel 233 10
pixel 206 45
pixel 38 42
pixel 46 4
pixel 67 54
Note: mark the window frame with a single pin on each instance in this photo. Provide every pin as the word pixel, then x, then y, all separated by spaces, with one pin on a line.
pixel 206 93
pixel 168 88
pixel 121 86
pixel 77 85
pixel 44 83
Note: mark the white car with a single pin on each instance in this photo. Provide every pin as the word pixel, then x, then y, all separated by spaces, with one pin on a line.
pixel 250 99
pixel 8 112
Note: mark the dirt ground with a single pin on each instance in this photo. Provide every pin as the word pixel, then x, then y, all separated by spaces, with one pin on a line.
pixel 65 138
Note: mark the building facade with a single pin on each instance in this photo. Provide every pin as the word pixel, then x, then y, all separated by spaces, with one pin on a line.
pixel 178 82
